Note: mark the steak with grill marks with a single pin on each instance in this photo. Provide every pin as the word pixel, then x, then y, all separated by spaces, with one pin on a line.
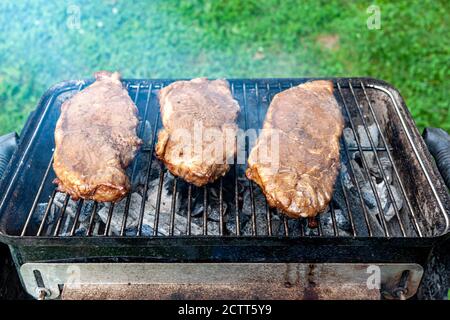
pixel 309 124
pixel 96 140
pixel 209 106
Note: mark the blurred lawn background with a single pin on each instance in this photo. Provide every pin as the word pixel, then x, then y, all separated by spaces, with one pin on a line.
pixel 251 38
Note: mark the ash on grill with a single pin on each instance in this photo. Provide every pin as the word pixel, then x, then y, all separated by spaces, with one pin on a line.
pixel 173 211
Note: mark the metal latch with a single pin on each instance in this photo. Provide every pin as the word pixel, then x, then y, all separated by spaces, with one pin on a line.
pixel 41 291
pixel 401 290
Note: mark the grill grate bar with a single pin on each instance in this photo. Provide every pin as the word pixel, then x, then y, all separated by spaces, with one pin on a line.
pixel 319 225
pixel 125 215
pixel 284 219
pixel 189 211
pixel 205 210
pixel 269 220
pixel 250 183
pixel 236 199
pixel 236 185
pixel 147 180
pixel 77 216
pixel 108 220
pixel 349 210
pixel 133 172
pixel 394 167
pixel 172 207
pixel 365 165
pixel 158 201
pixel 285 225
pixel 221 218
pixel 47 211
pixel 380 167
pixel 260 124
pixel 258 105
pixel 61 215
pixel 333 219
pixel 302 228
pixel 369 149
pixel 92 219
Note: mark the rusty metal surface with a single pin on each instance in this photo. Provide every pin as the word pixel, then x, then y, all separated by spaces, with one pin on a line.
pixel 219 280
pixel 217 292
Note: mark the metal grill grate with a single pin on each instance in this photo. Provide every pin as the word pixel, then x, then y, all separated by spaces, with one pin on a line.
pixel 230 191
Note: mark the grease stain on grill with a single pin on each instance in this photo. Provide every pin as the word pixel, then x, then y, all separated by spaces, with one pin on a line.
pixel 292 277
pixel 309 291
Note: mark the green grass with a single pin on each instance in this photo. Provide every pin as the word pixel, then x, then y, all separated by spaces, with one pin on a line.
pixel 252 38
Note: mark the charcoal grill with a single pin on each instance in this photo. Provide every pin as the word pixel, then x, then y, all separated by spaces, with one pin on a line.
pixel 45 239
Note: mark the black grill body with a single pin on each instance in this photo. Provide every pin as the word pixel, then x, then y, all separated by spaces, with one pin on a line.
pixel 35 235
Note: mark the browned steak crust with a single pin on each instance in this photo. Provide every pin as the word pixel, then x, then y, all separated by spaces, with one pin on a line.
pixel 96 140
pixel 309 123
pixel 185 105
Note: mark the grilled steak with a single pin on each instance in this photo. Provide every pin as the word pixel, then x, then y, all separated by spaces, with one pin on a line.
pixel 309 125
pixel 96 140
pixel 204 106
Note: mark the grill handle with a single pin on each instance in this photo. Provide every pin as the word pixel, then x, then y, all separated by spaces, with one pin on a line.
pixel 438 142
pixel 8 144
